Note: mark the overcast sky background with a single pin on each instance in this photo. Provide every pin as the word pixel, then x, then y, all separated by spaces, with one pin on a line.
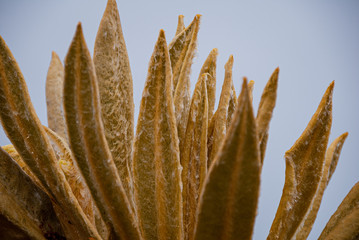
pixel 312 43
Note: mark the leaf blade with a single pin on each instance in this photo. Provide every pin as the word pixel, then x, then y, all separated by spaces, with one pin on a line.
pixel 181 74
pixel 88 142
pixel 23 202
pixel 217 126
pixel 180 25
pixel 54 97
pixel 331 159
pixel 232 181
pixel 156 160
pixel 343 224
pixel 25 131
pixel 194 155
pixel 210 66
pixel 304 164
pixel 265 110
pixel 114 79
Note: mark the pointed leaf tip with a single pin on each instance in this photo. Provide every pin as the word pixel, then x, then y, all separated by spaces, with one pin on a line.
pixel 304 164
pixel 251 83
pixel 265 110
pixel 245 80
pixel 156 173
pixel 180 20
pixel 230 61
pixel 232 181
pixel 162 34
pixel 79 27
pixel 53 54
pixel 245 90
pixel 330 163
pixel 180 25
pixel 115 83
pixel 334 152
pixel 218 122
pixel 327 97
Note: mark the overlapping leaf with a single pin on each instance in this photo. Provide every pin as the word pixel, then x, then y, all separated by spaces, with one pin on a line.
pixel 88 142
pixel 54 97
pixel 156 162
pixel 182 50
pixel 180 25
pixel 250 89
pixel 228 202
pixel 344 223
pixel 16 157
pixel 218 123
pixel 232 104
pixel 331 159
pixel 194 154
pixel 304 167
pixel 210 66
pixel 265 111
pixel 133 188
pixel 25 131
pixel 72 174
pixel 24 203
pixel 116 92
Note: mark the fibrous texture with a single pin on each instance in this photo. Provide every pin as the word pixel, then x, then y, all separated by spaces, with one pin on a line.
pixel 156 163
pixel 194 154
pixel 304 167
pixel 116 92
pixel 88 142
pixel 233 180
pixel 190 172
pixel 218 123
pixel 54 97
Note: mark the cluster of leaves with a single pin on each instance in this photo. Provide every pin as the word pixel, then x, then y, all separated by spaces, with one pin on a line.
pixel 189 172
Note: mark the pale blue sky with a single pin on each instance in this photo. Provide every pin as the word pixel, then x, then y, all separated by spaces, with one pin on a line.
pixel 312 43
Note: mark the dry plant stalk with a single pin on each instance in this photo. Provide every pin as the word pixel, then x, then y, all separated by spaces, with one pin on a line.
pixel 189 172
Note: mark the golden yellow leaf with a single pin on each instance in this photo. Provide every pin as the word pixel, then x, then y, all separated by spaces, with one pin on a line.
pixel 17 158
pixel 232 104
pixel 72 173
pixel 217 125
pixel 250 89
pixel 209 66
pixel 88 142
pixel 194 154
pixel 182 48
pixel 156 163
pixel 228 202
pixel 304 167
pixel 54 97
pixel 180 25
pixel 181 74
pixel 26 133
pixel 24 203
pixel 331 159
pixel 265 111
pixel 344 223
pixel 116 92
pixel 333 153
